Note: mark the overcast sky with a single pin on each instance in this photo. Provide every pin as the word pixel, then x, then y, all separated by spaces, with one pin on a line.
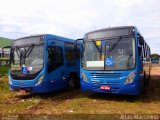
pixel 73 18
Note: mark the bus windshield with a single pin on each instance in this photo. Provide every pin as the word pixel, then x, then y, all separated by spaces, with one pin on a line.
pixel 27 57
pixel 109 54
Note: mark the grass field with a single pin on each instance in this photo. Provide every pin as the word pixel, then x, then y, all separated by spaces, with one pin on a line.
pixel 81 103
pixel 4 42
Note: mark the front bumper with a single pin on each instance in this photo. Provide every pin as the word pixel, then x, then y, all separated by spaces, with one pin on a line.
pixel 41 88
pixel 125 89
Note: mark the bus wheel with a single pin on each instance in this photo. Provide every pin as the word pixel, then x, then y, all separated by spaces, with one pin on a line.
pixel 72 82
pixel 148 80
pixel 149 77
pixel 144 79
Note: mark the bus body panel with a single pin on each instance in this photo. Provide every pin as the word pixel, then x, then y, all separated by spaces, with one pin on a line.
pixel 113 79
pixel 56 78
pixel 116 79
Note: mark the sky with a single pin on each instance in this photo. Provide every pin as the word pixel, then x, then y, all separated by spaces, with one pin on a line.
pixel 74 18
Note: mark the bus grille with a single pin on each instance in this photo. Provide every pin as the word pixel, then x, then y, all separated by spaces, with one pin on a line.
pixel 105 75
pixel 111 79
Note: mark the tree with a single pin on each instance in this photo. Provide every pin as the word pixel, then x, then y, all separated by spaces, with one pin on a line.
pixel 155 56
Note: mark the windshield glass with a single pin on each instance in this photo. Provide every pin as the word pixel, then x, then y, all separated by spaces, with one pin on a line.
pixel 109 54
pixel 27 58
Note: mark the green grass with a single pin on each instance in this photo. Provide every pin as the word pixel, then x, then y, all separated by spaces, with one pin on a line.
pixel 5 42
pixel 3 69
pixel 3 65
pixel 11 102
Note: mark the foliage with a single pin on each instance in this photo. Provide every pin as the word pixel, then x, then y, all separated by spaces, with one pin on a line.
pixel 155 57
pixel 5 42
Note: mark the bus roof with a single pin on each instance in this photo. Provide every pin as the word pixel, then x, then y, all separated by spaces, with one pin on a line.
pixel 49 36
pixel 111 32
pixel 112 28
pixel 60 38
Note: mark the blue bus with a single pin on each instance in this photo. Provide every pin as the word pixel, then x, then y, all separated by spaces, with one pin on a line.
pixel 115 60
pixel 43 63
pixel 155 59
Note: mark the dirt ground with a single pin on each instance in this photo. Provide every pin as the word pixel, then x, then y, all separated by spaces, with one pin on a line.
pixel 96 103
pixel 155 70
pixel 82 103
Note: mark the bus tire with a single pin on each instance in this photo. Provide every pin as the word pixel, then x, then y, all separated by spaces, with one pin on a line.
pixel 148 80
pixel 72 82
pixel 144 80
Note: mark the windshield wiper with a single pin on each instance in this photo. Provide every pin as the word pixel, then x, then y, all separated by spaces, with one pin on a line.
pixel 23 54
pixel 100 51
pixel 12 56
pixel 17 51
pixel 129 61
pixel 28 52
pixel 115 43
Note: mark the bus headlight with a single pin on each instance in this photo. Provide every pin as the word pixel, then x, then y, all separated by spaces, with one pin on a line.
pixel 40 80
pixel 130 78
pixel 84 77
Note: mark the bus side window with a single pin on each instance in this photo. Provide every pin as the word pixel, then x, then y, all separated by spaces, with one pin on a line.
pixel 55 58
pixel 140 47
pixel 51 55
pixel 72 53
pixel 140 51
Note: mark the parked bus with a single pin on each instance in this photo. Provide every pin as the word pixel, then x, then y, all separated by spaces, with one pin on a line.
pixel 115 60
pixel 155 58
pixel 43 63
pixel 4 63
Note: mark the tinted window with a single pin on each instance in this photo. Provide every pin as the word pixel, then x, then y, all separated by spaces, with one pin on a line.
pixel 55 58
pixel 70 52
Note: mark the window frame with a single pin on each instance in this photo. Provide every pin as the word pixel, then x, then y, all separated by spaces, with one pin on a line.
pixel 51 66
pixel 74 52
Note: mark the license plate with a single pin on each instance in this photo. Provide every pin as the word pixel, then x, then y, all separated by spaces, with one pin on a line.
pixel 105 87
pixel 22 91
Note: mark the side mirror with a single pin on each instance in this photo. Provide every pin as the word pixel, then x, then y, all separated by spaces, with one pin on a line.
pixel 76 45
